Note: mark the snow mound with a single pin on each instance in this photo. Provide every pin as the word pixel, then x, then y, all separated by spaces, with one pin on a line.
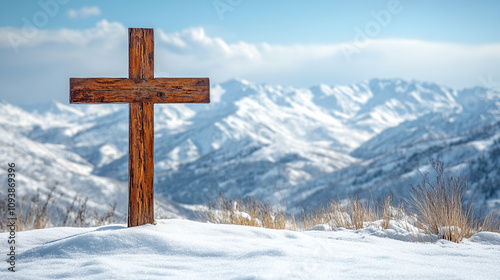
pixel 322 227
pixel 182 249
pixel 398 231
pixel 487 238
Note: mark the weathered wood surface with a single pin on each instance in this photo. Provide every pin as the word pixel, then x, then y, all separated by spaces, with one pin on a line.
pixel 159 90
pixel 141 90
pixel 141 53
pixel 141 131
pixel 141 164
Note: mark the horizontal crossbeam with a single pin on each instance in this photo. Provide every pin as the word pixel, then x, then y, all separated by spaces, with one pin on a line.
pixel 123 90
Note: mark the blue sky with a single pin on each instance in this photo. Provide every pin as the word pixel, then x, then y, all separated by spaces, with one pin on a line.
pixel 283 22
pixel 297 43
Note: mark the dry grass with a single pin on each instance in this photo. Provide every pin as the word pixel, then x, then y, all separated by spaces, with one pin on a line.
pixel 354 214
pixel 350 214
pixel 248 212
pixel 442 209
pixel 388 211
pixel 35 212
pixel 309 219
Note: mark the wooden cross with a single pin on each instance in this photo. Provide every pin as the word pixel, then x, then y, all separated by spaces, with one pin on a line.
pixel 141 90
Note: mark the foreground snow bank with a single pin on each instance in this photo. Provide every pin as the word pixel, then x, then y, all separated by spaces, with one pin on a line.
pixel 182 249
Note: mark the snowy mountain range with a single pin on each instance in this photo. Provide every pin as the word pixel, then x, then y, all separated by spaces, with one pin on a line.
pixel 295 147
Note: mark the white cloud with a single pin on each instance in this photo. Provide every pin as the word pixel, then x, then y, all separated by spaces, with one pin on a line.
pixel 84 12
pixel 41 68
pixel 304 65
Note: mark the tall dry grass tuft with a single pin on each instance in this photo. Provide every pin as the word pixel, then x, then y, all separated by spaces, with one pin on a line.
pixel 388 211
pixel 350 214
pixel 248 212
pixel 442 209
pixel 35 212
pixel 311 218
pixel 490 223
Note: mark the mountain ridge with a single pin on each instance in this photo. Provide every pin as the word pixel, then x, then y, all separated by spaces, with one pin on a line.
pixel 278 143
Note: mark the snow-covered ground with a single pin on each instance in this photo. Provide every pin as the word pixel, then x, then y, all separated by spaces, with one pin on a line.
pixel 182 249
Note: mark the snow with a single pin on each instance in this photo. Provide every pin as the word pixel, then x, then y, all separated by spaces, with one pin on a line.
pixel 182 249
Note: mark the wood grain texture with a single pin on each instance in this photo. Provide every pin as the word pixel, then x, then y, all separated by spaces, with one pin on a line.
pixel 141 164
pixel 122 90
pixel 141 130
pixel 141 55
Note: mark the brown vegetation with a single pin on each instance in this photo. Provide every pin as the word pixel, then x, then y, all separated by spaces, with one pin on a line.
pixel 248 212
pixel 442 209
pixel 35 212
pixel 439 208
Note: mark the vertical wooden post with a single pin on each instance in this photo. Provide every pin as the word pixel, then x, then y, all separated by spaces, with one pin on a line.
pixel 141 131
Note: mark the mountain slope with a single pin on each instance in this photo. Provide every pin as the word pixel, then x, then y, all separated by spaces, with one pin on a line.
pixel 297 147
